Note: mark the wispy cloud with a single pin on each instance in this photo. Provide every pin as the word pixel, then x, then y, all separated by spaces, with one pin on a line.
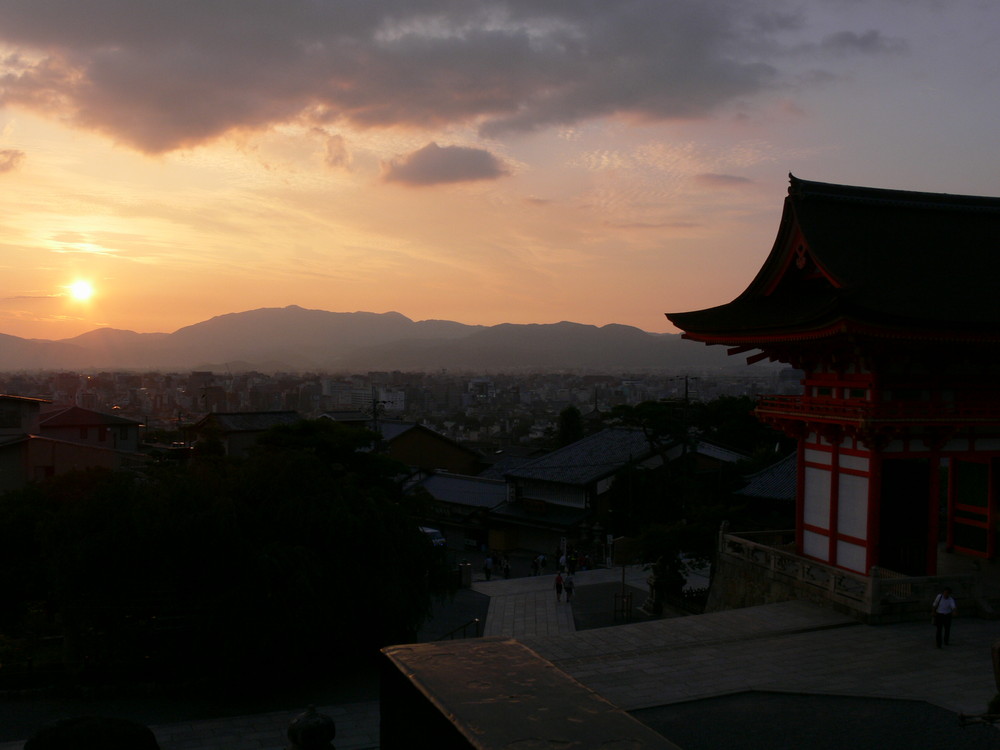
pixel 10 159
pixel 723 180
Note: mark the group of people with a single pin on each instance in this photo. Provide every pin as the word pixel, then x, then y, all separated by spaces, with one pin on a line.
pixel 489 563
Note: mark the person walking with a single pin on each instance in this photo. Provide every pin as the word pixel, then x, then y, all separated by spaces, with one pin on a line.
pixel 944 607
pixel 570 588
pixel 559 587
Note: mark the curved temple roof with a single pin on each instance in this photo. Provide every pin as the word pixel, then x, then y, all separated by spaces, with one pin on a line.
pixel 867 261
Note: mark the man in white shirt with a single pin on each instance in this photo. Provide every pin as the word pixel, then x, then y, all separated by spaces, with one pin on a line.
pixel 944 607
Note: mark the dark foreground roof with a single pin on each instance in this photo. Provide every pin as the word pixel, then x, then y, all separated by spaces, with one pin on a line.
pixel 870 261
pixel 589 459
pixel 74 416
pixel 464 490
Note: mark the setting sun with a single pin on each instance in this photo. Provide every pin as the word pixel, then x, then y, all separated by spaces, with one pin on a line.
pixel 81 290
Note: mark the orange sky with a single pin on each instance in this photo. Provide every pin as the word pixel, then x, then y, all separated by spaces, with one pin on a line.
pixel 482 162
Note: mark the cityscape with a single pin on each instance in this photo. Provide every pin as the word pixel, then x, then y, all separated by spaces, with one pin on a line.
pixel 494 411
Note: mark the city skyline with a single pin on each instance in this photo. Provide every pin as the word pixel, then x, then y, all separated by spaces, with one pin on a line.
pixel 478 162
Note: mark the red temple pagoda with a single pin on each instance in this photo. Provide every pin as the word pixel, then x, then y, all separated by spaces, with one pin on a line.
pixel 887 300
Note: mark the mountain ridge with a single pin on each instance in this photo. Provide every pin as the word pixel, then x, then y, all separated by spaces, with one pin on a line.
pixel 306 339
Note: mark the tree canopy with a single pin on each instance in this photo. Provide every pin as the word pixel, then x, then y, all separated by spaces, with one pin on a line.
pixel 293 560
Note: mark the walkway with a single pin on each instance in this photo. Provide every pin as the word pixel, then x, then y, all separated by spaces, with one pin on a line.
pixel 792 647
pixel 525 607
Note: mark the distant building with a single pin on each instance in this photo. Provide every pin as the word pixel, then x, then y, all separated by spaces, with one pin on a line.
pixel 30 452
pixel 77 425
pixel 423 449
pixel 237 432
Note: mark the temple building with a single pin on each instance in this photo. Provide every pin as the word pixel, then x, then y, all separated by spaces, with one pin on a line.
pixel 887 300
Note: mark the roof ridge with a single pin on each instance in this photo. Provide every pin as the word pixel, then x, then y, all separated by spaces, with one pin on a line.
pixel 799 188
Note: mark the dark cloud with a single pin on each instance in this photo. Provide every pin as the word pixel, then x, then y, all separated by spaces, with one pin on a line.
pixel 434 165
pixel 161 75
pixel 722 180
pixel 10 159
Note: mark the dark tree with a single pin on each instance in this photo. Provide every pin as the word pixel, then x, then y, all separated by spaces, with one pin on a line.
pixel 286 565
pixel 570 426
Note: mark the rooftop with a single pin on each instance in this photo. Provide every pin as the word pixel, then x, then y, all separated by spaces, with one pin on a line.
pixel 587 460
pixel 867 260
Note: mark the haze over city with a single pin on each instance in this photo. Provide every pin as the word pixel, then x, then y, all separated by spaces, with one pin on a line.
pixel 485 162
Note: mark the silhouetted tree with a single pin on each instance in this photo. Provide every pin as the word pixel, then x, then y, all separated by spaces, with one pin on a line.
pixel 570 427
pixel 287 564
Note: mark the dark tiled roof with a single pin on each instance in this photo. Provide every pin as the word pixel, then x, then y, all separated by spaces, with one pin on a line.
pixel 777 481
pixel 74 416
pixel 346 416
pixel 392 430
pixel 463 490
pixel 589 459
pixel 717 452
pixel 874 257
pixel 504 466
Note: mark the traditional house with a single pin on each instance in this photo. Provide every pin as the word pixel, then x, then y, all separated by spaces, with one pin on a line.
pixel 460 505
pixel 237 432
pixel 423 449
pixel 561 494
pixel 78 425
pixel 26 454
pixel 887 301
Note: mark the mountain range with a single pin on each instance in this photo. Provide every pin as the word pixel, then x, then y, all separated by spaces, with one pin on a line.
pixel 296 339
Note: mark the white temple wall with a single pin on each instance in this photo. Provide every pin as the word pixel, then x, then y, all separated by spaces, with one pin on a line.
pixel 852 506
pixel 816 545
pixel 851 556
pixel 816 498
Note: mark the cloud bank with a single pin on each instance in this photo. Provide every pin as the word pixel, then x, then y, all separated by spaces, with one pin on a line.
pixel 159 75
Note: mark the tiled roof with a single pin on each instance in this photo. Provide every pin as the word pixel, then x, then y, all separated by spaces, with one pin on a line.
pixel 777 481
pixel 711 450
pixel 589 459
pixel 871 257
pixel 504 466
pixel 464 490
pixel 392 430
pixel 74 416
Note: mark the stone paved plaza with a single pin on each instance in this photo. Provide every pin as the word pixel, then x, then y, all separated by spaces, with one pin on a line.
pixel 792 647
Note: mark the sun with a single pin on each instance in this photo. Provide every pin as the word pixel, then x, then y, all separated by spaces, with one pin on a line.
pixel 81 290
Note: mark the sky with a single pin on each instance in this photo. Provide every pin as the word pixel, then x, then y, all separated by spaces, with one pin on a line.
pixel 521 161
